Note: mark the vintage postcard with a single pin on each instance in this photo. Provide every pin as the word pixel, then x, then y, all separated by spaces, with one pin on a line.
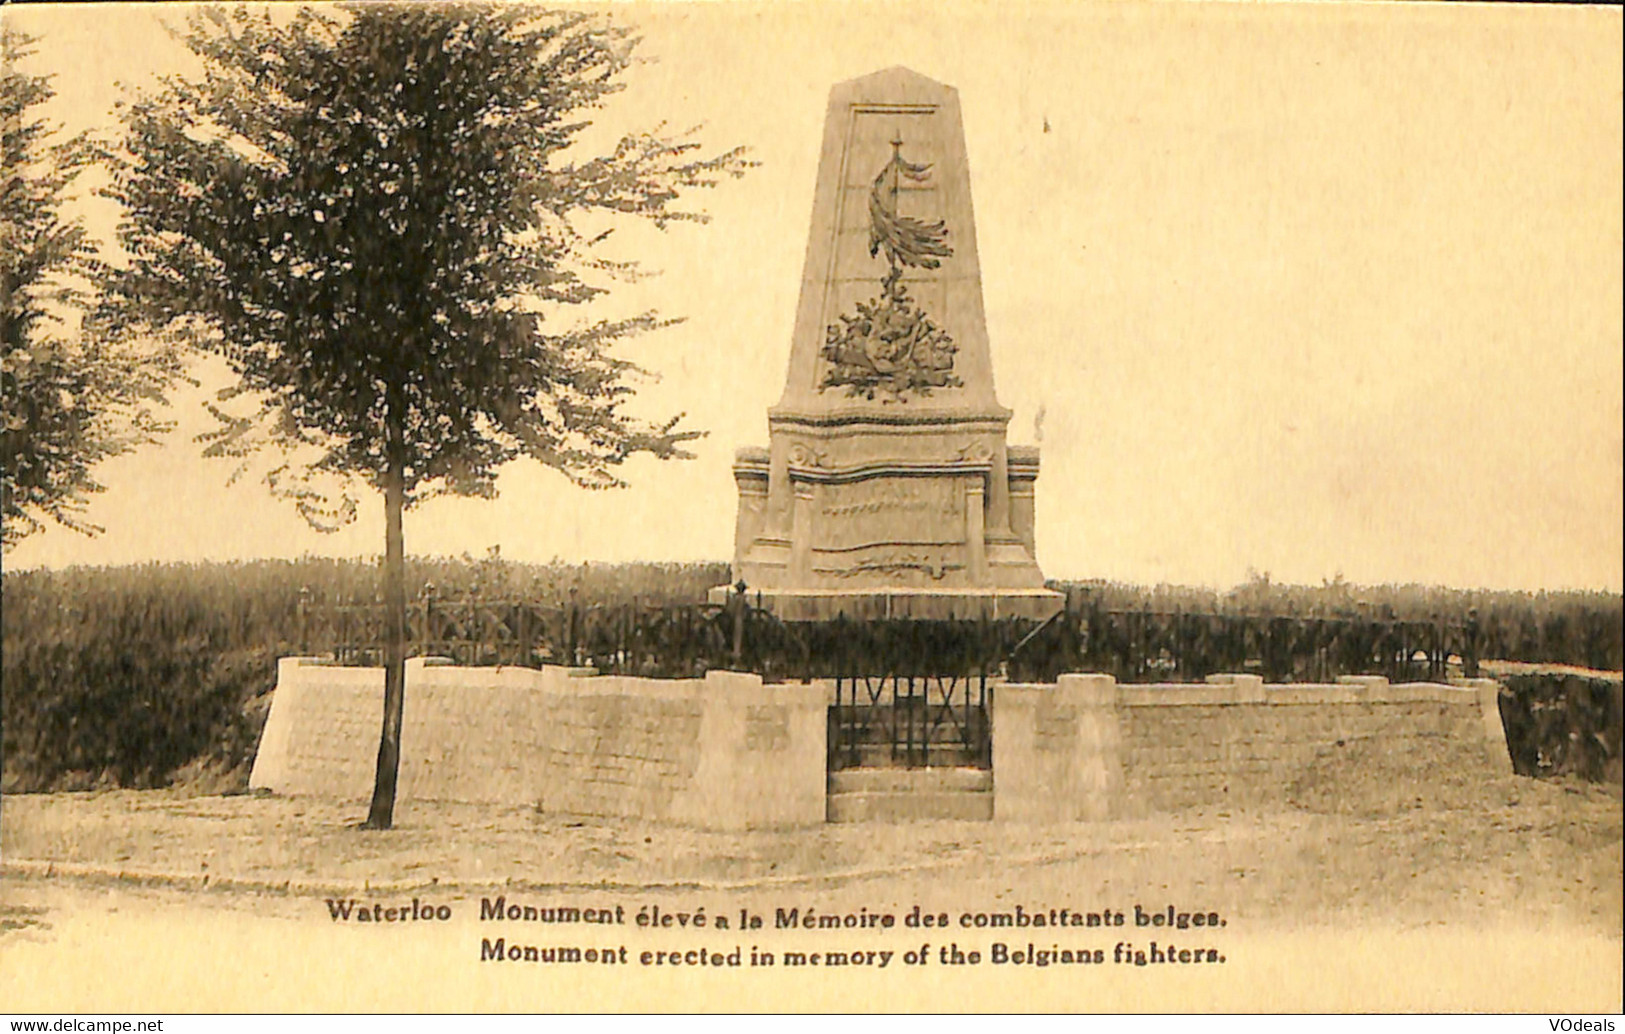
pixel 812 507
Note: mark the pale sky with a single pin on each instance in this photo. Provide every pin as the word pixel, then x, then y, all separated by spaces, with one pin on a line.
pixel 1306 289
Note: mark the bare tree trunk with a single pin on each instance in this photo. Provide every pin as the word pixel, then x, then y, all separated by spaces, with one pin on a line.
pixel 382 813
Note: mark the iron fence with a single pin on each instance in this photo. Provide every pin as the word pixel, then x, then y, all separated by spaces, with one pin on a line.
pixel 686 640
pixel 1145 645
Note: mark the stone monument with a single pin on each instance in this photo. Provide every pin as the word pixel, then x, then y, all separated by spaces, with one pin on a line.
pixel 887 488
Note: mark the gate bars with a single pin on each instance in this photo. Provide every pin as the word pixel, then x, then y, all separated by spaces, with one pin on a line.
pixel 913 721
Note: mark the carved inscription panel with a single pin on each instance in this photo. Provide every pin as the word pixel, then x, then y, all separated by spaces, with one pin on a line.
pixel 889 510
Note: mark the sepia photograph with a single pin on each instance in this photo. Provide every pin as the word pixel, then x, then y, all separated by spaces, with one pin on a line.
pixel 571 508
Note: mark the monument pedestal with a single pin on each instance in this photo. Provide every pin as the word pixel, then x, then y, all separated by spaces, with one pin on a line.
pixel 887 488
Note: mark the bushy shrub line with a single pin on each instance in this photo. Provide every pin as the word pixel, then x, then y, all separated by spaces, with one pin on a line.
pixel 1564 724
pixel 127 676
pixel 1562 627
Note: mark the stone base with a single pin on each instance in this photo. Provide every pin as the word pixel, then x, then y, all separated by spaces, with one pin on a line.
pixel 720 752
pixel 1084 748
pixel 924 604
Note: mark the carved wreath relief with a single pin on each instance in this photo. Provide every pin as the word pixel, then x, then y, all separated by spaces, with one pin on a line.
pixel 890 347
pixel 901 562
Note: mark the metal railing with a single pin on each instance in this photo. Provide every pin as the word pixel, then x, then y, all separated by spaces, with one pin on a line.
pixel 686 640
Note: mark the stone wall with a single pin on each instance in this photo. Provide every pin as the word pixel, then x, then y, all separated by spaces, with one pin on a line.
pixel 1088 748
pixel 728 752
pixel 721 752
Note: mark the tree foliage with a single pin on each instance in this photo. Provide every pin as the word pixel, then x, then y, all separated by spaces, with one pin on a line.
pixel 75 393
pixel 373 216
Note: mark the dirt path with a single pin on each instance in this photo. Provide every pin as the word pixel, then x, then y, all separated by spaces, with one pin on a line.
pixel 1505 897
pixel 1515 846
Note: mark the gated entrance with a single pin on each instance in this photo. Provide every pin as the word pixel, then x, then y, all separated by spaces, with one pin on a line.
pixel 910 721
pixel 909 693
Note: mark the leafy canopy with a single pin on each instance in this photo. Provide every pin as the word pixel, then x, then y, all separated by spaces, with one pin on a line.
pixel 375 216
pixel 74 393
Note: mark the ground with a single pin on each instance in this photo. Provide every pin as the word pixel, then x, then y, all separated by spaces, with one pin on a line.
pixel 1495 893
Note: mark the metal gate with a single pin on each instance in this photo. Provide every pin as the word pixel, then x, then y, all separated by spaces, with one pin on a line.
pixel 911 721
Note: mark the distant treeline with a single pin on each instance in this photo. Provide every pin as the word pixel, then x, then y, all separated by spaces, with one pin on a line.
pixel 126 676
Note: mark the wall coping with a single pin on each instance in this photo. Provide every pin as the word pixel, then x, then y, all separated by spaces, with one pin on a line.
pixel 1225 690
pixel 1219 690
pixel 434 673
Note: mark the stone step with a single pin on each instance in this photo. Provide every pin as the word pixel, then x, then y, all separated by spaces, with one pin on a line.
pixel 911 780
pixel 908 806
pixel 882 755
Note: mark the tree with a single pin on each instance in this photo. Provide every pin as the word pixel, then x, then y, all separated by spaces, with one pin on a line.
pixel 375 217
pixel 74 393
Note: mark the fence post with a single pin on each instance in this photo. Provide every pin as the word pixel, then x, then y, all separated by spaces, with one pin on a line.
pixel 1142 647
pixel 341 626
pixel 573 630
pixel 1131 644
pixel 426 630
pixel 1183 641
pixel 623 632
pixel 1271 671
pixel 1436 659
pixel 1469 649
pixel 522 625
pixel 739 605
pixel 480 615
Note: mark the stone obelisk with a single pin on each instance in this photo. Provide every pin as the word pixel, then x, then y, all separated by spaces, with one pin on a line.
pixel 887 488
